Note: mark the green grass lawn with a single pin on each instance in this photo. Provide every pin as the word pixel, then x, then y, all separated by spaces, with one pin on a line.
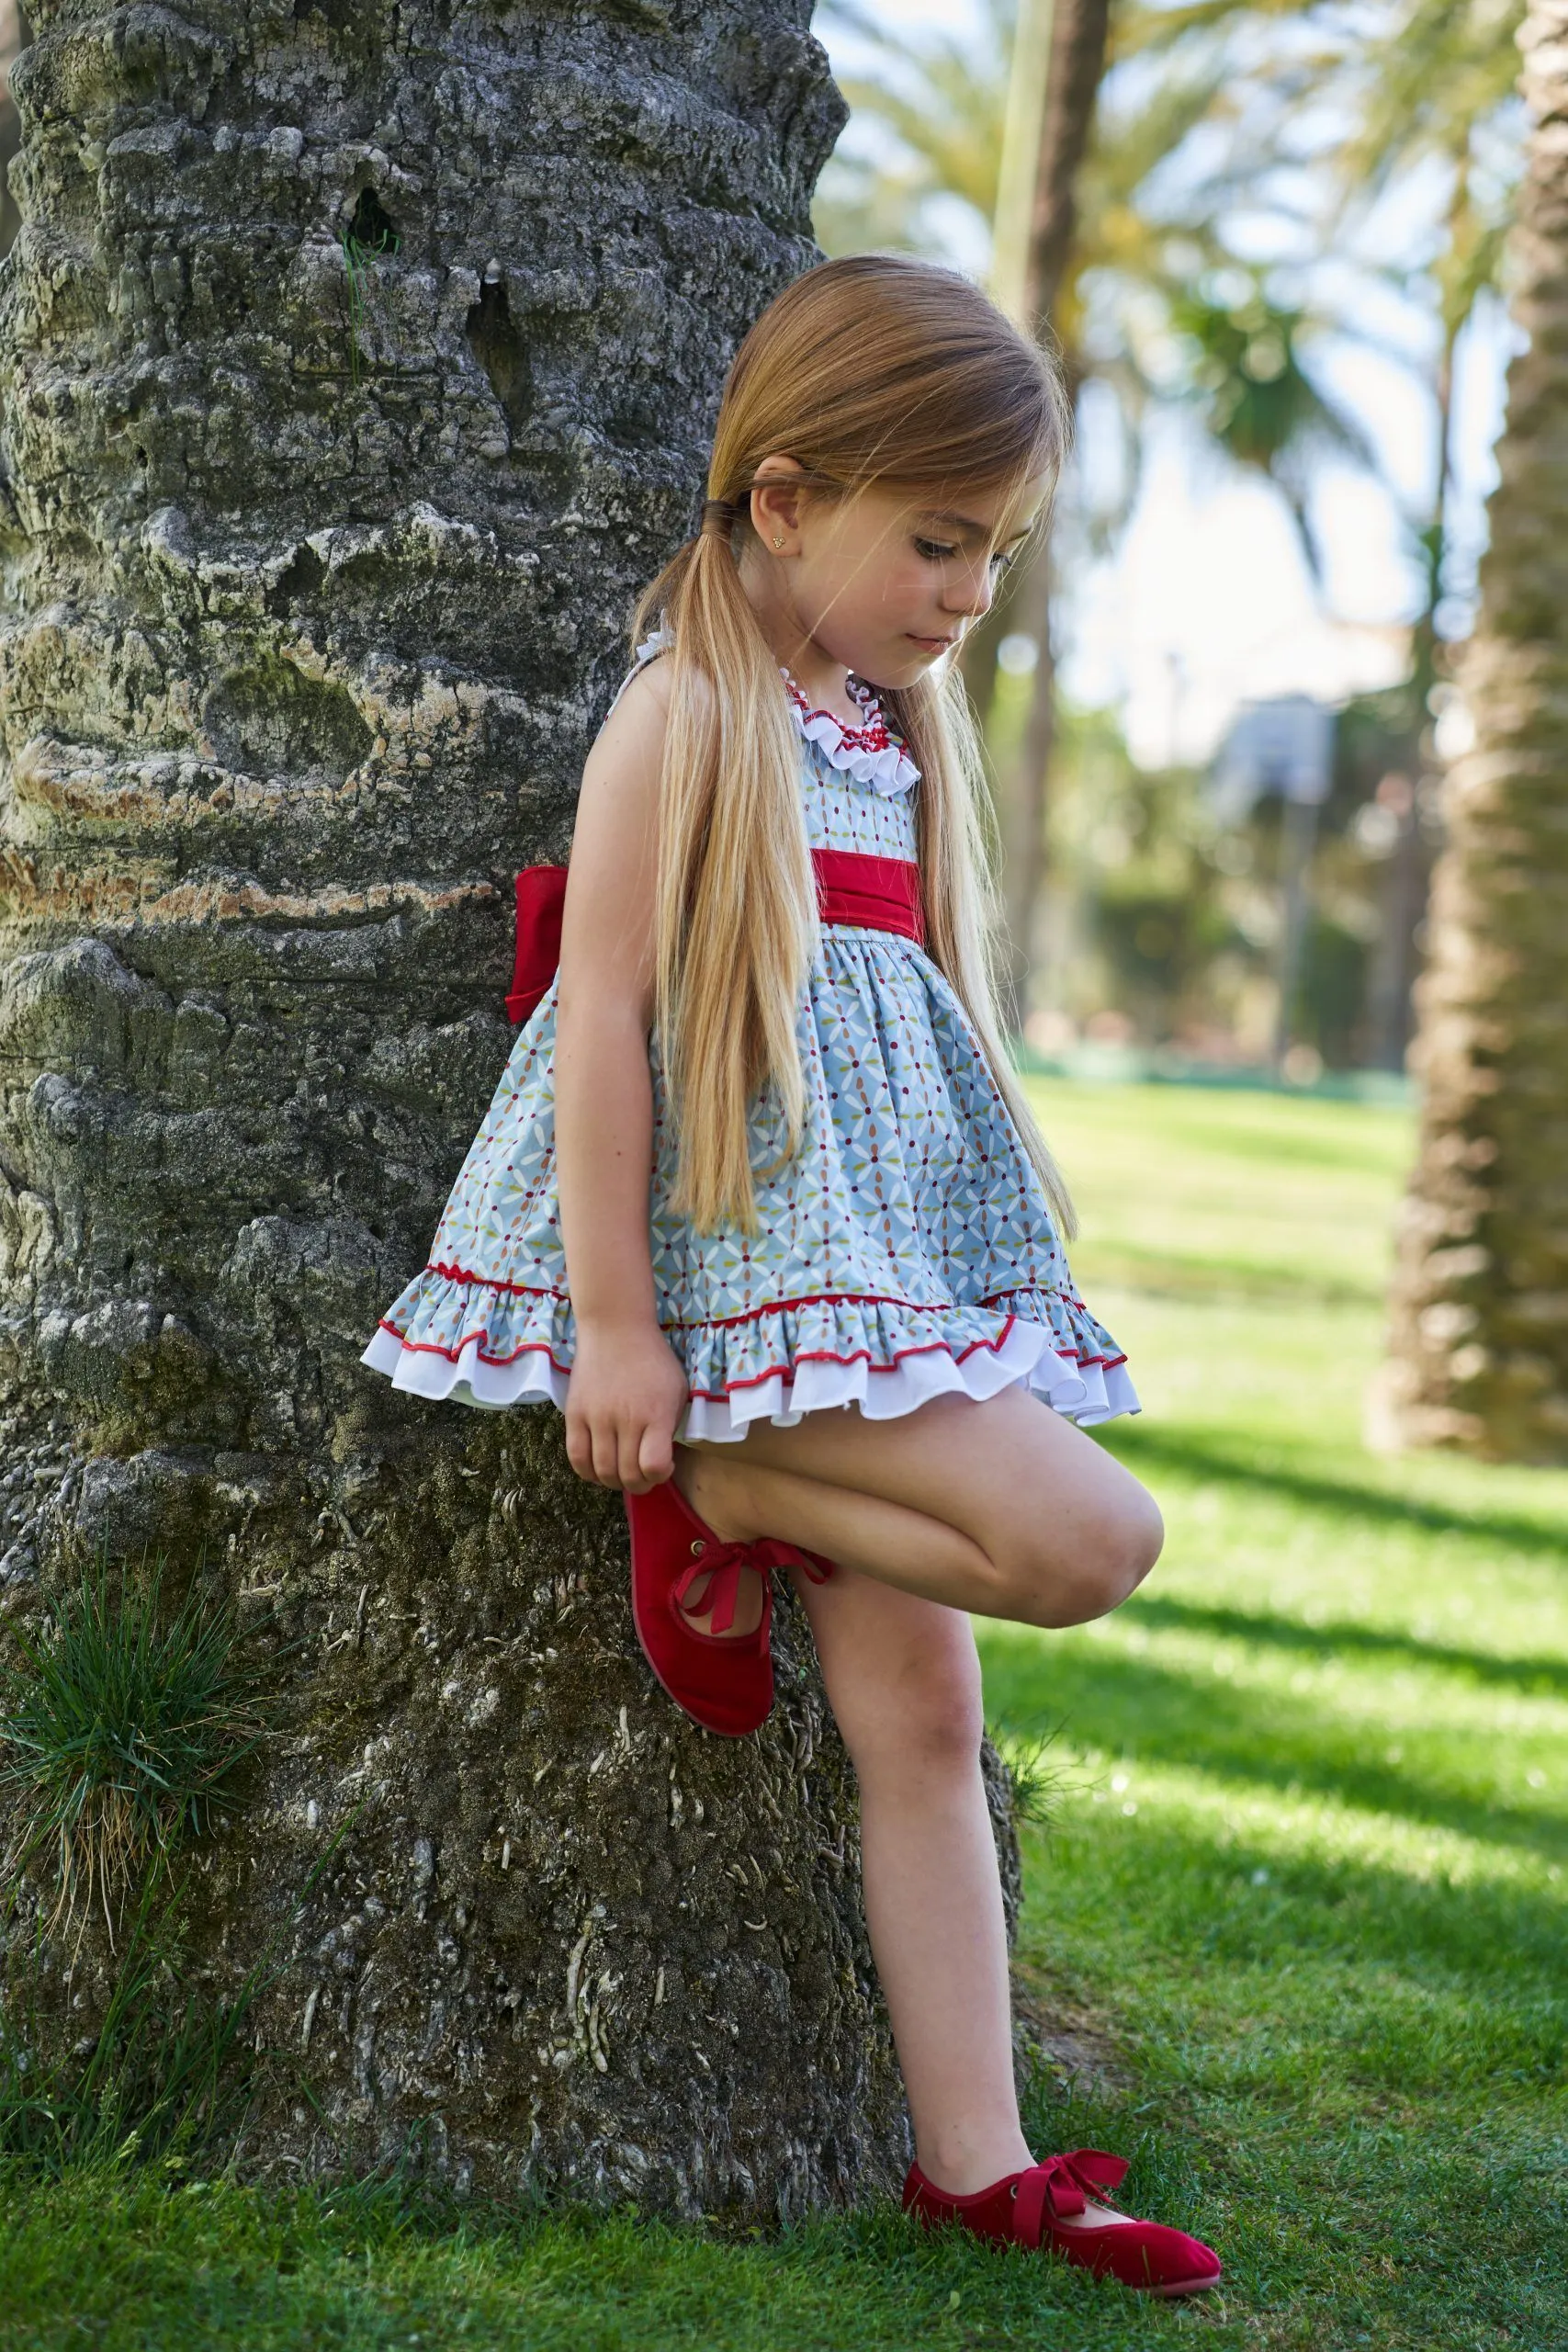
pixel 1301 1902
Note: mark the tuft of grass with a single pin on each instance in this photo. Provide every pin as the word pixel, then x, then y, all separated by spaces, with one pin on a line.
pixel 1039 1775
pixel 122 1728
pixel 166 2076
pixel 359 252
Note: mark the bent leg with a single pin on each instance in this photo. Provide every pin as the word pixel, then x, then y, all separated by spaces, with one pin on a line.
pixel 1001 1507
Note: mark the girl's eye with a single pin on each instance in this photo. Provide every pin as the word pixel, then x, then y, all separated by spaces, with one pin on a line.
pixel 1004 559
pixel 933 551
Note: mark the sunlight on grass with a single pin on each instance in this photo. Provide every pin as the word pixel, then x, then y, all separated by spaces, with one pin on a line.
pixel 1312 1861
pixel 1304 1881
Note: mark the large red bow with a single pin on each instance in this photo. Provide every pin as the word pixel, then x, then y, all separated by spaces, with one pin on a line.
pixel 713 1580
pixel 1063 2185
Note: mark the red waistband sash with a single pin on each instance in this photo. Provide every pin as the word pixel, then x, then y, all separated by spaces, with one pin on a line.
pixel 541 895
pixel 869 893
pixel 872 893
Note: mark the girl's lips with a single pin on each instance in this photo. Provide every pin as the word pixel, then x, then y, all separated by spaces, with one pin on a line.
pixel 928 644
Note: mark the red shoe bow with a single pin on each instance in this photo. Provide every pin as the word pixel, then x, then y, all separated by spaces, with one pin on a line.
pixel 1064 2184
pixel 1033 2208
pixel 681 1570
pixel 713 1580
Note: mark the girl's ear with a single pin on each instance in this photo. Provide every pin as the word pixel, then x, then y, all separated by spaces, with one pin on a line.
pixel 777 497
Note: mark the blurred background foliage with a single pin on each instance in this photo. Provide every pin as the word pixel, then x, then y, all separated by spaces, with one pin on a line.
pixel 1232 235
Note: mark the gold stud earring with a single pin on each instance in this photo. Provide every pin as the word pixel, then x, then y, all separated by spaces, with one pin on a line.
pixel 778 539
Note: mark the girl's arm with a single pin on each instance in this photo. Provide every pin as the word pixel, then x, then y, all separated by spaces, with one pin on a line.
pixel 627 1390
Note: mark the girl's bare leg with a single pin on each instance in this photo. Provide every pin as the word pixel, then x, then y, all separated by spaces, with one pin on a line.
pixel 1000 1508
pixel 904 1682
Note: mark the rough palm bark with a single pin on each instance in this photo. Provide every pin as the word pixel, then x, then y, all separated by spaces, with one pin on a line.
pixel 1480 1338
pixel 357 364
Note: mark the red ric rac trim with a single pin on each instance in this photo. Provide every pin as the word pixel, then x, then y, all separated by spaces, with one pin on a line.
pixel 861 1355
pixel 491 1282
pixel 776 1306
pixel 755 1379
pixel 875 735
pixel 455 1355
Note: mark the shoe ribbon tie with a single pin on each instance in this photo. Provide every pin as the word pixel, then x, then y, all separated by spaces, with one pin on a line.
pixel 713 1580
pixel 1062 2186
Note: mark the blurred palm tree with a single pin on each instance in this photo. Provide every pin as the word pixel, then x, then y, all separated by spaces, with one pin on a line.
pixel 1437 89
pixel 1245 376
pixel 1099 242
pixel 1150 298
pixel 1480 1323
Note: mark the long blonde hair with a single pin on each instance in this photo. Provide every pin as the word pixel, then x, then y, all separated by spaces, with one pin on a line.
pixel 873 369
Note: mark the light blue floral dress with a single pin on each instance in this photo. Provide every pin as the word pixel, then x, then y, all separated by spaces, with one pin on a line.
pixel 906 1251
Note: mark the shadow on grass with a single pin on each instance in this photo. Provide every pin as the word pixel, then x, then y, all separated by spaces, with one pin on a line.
pixel 1540 1677
pixel 1307 1977
pixel 1201 1457
pixel 1138 1708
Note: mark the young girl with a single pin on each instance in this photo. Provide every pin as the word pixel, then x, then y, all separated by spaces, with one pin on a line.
pixel 757 1203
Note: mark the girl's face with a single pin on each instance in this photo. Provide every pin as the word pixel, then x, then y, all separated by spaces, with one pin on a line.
pixel 879 582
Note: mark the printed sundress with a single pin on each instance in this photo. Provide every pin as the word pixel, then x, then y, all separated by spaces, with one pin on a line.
pixel 905 1251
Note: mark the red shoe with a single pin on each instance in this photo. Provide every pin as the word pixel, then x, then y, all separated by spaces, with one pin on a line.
pixel 724 1681
pixel 1027 2209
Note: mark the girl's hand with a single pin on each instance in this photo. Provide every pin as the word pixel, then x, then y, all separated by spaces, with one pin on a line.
pixel 625 1396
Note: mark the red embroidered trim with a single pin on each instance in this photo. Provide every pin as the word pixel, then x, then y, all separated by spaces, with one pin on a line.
pixel 861 1355
pixel 454 1355
pixel 875 735
pixel 749 1315
pixel 489 1282
pixel 778 1306
pixel 753 1380
pixel 814 1298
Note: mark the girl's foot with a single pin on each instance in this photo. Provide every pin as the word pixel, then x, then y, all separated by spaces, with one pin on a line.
pixel 1057 2205
pixel 689 1586
pixel 705 1490
pixel 715 1491
pixel 685 1575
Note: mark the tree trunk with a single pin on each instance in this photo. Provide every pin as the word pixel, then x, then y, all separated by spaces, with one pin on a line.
pixel 1078 33
pixel 1480 1345
pixel 1079 30
pixel 358 363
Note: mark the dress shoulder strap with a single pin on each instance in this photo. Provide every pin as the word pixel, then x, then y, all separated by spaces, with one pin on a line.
pixel 648 650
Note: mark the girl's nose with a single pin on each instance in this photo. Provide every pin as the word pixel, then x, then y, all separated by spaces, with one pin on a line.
pixel 973 592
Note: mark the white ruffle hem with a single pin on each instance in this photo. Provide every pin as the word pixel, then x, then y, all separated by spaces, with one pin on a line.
pixel 1085 1392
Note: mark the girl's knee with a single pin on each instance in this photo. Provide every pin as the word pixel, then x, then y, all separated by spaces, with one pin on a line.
pixel 1111 1556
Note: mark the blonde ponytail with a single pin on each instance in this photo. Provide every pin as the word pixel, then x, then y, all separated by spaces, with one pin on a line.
pixel 873 369
pixel 735 909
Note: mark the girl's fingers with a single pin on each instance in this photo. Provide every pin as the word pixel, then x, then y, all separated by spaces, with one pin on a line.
pixel 656 1455
pixel 630 1468
pixel 579 1447
pixel 606 1455
pixel 609 1450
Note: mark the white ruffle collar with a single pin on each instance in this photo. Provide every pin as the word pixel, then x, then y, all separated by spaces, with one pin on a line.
pixel 871 752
